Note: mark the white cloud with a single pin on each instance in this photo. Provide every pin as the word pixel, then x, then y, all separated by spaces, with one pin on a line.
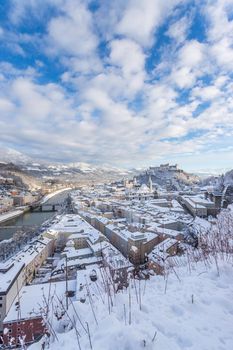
pixel 90 64
pixel 129 57
pixel 179 29
pixel 160 100
pixel 220 32
pixel 186 64
pixel 207 92
pixel 72 32
pixel 5 105
pixel 107 107
pixel 183 77
pixel 21 9
pixel 218 14
pixel 221 80
pixel 191 54
pixel 141 19
pixel 222 52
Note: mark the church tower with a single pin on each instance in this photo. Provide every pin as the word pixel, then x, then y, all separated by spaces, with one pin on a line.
pixel 150 184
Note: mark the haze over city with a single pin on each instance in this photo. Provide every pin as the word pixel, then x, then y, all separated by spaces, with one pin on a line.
pixel 124 83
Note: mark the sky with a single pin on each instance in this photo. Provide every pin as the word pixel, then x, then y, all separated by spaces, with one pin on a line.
pixel 128 83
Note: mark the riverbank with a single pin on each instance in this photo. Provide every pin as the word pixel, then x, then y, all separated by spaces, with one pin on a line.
pixel 15 213
pixel 11 215
pixel 24 219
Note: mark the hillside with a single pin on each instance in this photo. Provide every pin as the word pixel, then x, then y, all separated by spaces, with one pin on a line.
pixel 169 177
pixel 187 309
pixel 20 178
pixel 76 172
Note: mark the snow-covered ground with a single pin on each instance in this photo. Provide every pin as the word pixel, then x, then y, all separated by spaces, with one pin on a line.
pixel 191 309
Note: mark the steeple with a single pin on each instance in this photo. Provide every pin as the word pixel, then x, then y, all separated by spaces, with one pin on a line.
pixel 150 184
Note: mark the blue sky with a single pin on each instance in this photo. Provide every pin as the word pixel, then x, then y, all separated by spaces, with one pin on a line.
pixel 125 83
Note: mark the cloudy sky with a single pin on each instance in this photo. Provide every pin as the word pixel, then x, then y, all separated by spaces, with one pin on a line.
pixel 120 82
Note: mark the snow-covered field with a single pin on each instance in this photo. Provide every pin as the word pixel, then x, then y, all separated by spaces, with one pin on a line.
pixel 188 310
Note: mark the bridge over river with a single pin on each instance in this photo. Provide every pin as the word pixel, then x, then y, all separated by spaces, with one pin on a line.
pixel 34 218
pixel 46 207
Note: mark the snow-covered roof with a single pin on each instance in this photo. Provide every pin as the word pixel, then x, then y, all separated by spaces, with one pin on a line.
pixel 114 258
pixel 160 250
pixel 74 224
pixel 22 258
pixel 198 201
pixel 8 273
pixel 73 253
pixel 31 299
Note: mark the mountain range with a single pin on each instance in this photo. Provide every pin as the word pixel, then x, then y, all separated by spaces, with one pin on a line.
pixel 71 172
pixel 81 171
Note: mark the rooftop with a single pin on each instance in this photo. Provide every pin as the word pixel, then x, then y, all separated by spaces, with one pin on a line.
pixel 28 294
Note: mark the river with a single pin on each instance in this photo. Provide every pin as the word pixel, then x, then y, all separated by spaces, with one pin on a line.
pixel 30 218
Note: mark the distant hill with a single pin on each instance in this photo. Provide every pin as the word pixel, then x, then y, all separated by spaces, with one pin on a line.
pixel 77 172
pixel 168 176
pixel 32 173
pixel 20 177
pixel 9 167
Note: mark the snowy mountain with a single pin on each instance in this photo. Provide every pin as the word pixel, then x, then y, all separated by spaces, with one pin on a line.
pixel 90 168
pixel 10 155
pixel 77 171
pixel 204 173
pixel 84 167
pixel 84 170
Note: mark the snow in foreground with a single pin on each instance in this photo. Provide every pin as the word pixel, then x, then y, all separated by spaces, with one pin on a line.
pixel 189 311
